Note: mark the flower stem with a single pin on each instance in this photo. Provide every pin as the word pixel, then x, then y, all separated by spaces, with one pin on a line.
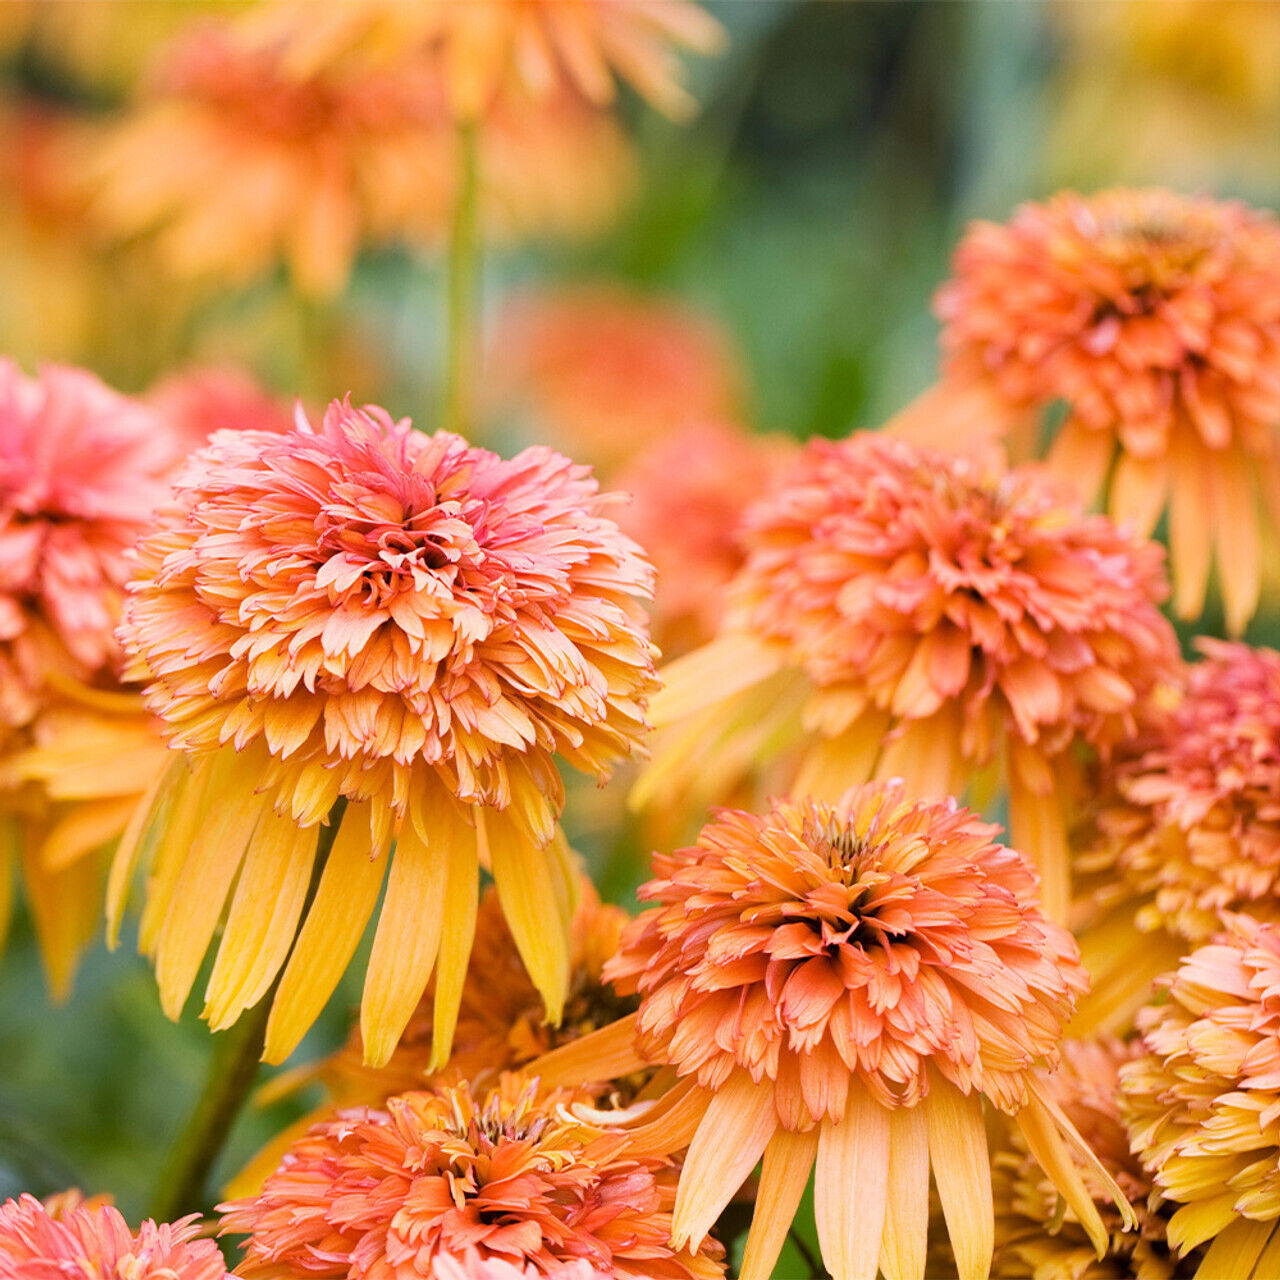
pixel 232 1072
pixel 462 331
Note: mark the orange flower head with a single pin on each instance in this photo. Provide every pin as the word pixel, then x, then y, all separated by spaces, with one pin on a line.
pixel 232 164
pixel 539 47
pixel 1200 1104
pixel 81 469
pixel 440 1175
pixel 688 493
pixel 606 374
pixel 925 616
pixel 417 627
pixel 1194 826
pixel 78 1240
pixel 1033 1236
pixel 1155 318
pixel 843 985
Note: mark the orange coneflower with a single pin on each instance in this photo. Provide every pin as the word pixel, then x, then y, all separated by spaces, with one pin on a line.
pixel 440 1174
pixel 606 374
pixel 843 985
pixel 538 46
pixel 923 616
pixel 689 492
pixel 81 468
pixel 1201 1103
pixel 1155 319
pixel 1037 1238
pixel 1187 826
pixel 234 165
pixel 70 1239
pixel 405 622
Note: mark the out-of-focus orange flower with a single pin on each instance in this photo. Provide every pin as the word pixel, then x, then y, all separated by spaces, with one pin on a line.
pixel 1035 1237
pixel 605 373
pixel 688 493
pixel 81 469
pixel 233 165
pixel 370 614
pixel 909 613
pixel 1155 319
pixel 487 47
pixel 440 1174
pixel 840 986
pixel 198 402
pixel 87 1240
pixel 1200 1104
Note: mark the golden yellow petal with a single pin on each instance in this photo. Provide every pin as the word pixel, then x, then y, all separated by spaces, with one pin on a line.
pixel 263 920
pixel 832 765
pixel 65 908
pixel 712 674
pixel 906 1222
pixel 461 895
pixel 788 1160
pixel 962 1172
pixel 345 899
pixel 1193 1224
pixel 604 1054
pixel 1235 1252
pixel 850 1188
pixel 88 826
pixel 1237 540
pixel 733 1134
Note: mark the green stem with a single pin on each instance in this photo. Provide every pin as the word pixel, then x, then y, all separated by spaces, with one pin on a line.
pixel 816 1270
pixel 463 288
pixel 232 1072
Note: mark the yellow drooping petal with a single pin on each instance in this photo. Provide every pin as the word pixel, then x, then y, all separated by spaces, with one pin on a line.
pixel 200 893
pixel 726 666
pixel 832 765
pixel 925 756
pixel 527 892
pixel 788 1160
pixel 1236 1252
pixel 1051 1154
pixel 1037 828
pixel 906 1221
pixel 86 827
pixel 1122 965
pixel 962 1172
pixel 1268 1263
pixel 1138 488
pixel 263 920
pixel 604 1054
pixel 732 1136
pixel 1190 505
pixel 248 1181
pixel 1195 1223
pixel 408 937
pixel 345 899
pixel 850 1187
pixel 461 894
pixel 65 908
pixel 1237 539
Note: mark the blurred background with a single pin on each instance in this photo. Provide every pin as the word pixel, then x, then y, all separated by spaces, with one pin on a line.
pixel 772 260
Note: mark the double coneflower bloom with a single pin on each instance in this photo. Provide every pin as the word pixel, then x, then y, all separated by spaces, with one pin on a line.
pixel 839 987
pixel 396 634
pixel 443 1175
pixel 1187 825
pixel 1154 319
pixel 908 613
pixel 81 467
pixel 1202 1102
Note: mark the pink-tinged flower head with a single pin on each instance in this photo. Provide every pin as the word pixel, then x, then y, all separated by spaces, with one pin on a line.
pixel 688 492
pixel 605 374
pixel 1201 1103
pixel 841 986
pixel 407 623
pixel 443 1175
pixel 1194 824
pixel 1155 318
pixel 486 46
pixel 1034 1237
pixel 91 1241
pixel 929 616
pixel 200 401
pixel 81 469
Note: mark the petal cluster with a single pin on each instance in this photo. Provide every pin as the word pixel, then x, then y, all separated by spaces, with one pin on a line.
pixel 86 1241
pixel 442 1174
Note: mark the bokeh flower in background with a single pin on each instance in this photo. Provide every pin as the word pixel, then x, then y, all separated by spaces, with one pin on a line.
pixel 909 613
pixel 404 622
pixel 840 987
pixel 1038 1237
pixel 1200 1102
pixel 440 1173
pixel 1154 319
pixel 81 468
pixel 83 1240
pixel 197 402
pixel 605 374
